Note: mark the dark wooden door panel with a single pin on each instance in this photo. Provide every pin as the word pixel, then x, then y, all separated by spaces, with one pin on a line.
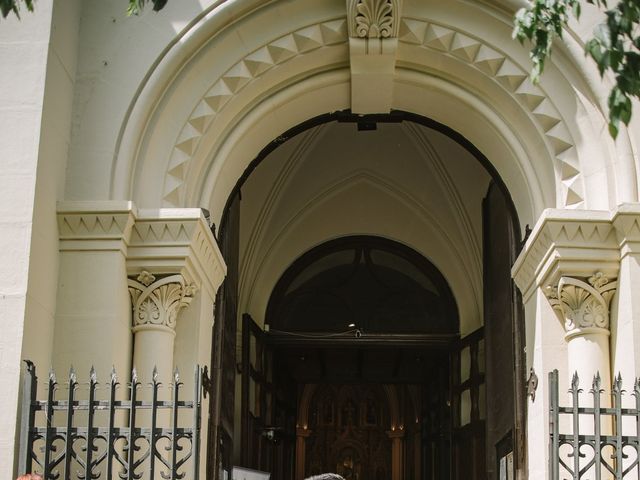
pixel 223 350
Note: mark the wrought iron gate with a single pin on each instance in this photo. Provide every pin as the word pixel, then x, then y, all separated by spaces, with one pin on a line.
pixel 617 452
pixel 92 438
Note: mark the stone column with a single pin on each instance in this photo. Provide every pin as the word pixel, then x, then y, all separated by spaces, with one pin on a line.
pixel 564 251
pixel 173 261
pixel 397 456
pixel 302 433
pixel 156 305
pixel 584 308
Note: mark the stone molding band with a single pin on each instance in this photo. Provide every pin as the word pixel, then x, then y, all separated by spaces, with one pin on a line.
pixel 165 241
pixel 573 245
pixel 169 254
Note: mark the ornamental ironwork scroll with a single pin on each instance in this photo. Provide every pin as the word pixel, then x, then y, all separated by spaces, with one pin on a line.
pixel 91 431
pixel 601 442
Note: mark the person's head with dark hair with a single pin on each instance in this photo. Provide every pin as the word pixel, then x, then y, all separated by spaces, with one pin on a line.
pixel 326 476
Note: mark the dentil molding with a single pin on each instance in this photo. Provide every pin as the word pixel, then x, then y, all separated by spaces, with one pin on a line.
pixel 156 303
pixel 583 303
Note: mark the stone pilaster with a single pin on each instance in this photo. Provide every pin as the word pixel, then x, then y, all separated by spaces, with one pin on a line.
pixel 625 321
pixel 93 308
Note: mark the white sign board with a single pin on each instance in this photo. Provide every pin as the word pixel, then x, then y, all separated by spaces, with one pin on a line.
pixel 240 473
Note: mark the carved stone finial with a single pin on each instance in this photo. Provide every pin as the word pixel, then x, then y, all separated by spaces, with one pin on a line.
pixel 373 18
pixel 584 305
pixel 146 278
pixel 157 302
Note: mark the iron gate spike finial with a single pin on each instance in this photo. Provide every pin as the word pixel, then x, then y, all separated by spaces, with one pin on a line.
pixel 114 376
pixel 617 384
pixel 154 375
pixel 176 376
pixel 93 377
pixel 596 386
pixel 575 383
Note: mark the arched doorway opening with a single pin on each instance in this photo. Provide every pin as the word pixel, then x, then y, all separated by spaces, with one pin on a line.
pixel 402 180
pixel 362 326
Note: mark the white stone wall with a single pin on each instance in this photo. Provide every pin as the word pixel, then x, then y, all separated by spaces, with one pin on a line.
pixel 97 106
pixel 37 87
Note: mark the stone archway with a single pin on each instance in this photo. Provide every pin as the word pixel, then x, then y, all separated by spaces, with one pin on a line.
pixel 187 149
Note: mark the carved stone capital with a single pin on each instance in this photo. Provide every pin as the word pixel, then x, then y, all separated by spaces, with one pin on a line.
pixel 156 303
pixel 583 303
pixel 373 18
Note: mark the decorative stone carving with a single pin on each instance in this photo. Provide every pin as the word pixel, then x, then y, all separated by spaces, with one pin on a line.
pixel 373 27
pixel 584 305
pixel 373 18
pixel 157 302
pixel 176 241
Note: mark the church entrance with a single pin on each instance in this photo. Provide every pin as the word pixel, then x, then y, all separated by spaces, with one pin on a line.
pixel 369 263
pixel 358 350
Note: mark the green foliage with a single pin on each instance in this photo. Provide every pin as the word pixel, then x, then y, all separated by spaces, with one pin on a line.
pixel 8 6
pixel 136 6
pixel 615 46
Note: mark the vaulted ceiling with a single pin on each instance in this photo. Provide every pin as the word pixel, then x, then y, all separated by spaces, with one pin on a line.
pixel 401 181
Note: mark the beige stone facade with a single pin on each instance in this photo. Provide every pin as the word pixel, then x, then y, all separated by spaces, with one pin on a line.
pixel 122 140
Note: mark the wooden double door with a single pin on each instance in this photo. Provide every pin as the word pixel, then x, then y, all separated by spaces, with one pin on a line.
pixel 302 417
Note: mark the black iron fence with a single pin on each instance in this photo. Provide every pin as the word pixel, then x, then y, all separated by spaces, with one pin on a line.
pixel 604 441
pixel 92 430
